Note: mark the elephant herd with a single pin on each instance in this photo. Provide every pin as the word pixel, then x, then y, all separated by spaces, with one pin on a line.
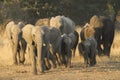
pixel 52 42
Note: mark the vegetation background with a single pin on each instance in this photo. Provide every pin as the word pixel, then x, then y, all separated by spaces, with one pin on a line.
pixel 31 10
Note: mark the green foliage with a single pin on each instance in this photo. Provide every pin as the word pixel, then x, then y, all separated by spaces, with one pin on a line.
pixel 31 10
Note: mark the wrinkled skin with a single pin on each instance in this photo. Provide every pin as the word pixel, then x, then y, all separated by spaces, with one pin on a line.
pixel 12 32
pixel 88 50
pixel 33 37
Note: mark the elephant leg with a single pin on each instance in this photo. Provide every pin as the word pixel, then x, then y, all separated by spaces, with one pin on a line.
pixel 47 65
pixel 33 59
pixel 64 61
pixel 100 51
pixel 22 56
pixel 106 49
pixel 86 59
pixel 52 58
pixel 56 57
pixel 73 51
pixel 92 58
pixel 69 56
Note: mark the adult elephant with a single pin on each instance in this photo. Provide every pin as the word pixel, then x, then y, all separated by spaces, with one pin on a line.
pixel 55 41
pixel 33 36
pixel 104 33
pixel 88 49
pixel 46 54
pixel 21 49
pixel 13 32
pixel 65 24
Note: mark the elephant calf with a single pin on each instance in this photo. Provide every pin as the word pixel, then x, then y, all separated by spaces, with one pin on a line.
pixel 88 49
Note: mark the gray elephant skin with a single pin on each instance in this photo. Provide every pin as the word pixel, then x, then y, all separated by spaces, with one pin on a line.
pixel 88 49
pixel 55 41
pixel 65 24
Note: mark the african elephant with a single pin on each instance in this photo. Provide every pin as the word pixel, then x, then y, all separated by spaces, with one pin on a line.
pixel 13 31
pixel 33 36
pixel 104 34
pixel 65 24
pixel 66 49
pixel 88 49
pixel 68 43
pixel 46 54
pixel 55 41
pixel 21 49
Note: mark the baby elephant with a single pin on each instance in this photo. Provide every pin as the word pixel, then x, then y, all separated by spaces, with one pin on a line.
pixel 88 49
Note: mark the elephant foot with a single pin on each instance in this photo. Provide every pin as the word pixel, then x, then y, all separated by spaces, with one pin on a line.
pixel 34 73
pixel 15 63
pixel 92 63
pixel 21 62
pixel 69 66
pixel 54 66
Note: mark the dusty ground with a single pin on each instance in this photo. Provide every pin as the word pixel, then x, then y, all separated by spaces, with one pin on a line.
pixel 105 69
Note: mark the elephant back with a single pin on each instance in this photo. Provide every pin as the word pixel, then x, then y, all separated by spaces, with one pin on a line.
pixel 68 26
pixel 43 22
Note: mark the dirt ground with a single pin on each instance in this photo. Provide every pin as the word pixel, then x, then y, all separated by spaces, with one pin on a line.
pixel 105 69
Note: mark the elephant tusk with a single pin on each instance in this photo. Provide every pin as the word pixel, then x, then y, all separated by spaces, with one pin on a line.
pixel 44 44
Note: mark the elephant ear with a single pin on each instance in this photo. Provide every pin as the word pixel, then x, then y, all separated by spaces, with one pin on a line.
pixel 55 22
pixel 96 22
pixel 88 32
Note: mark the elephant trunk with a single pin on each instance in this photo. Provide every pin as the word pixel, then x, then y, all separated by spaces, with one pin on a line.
pixel 39 54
